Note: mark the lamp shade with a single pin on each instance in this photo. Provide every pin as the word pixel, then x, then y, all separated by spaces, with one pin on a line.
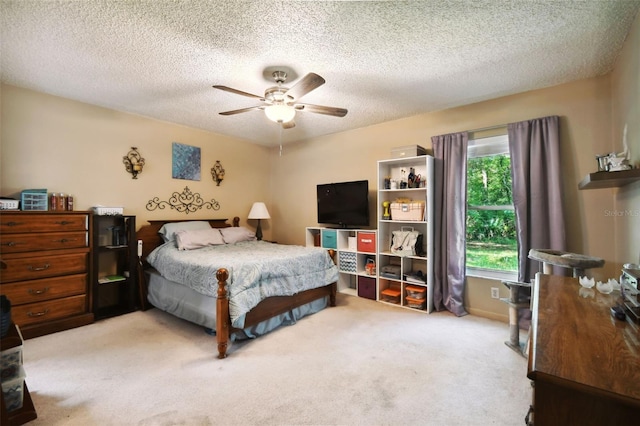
pixel 259 211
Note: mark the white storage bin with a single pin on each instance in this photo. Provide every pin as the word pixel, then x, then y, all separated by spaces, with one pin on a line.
pixel 108 211
pixel 9 204
pixel 10 362
pixel 407 151
pixel 13 391
pixel 413 211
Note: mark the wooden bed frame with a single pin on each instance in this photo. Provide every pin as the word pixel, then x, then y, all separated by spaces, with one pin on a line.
pixel 266 309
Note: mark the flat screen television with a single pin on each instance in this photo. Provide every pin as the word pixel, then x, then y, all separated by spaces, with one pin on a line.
pixel 345 204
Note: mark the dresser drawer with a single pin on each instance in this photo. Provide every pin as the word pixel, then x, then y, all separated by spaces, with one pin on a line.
pixel 18 243
pixel 46 311
pixel 16 223
pixel 46 289
pixel 31 268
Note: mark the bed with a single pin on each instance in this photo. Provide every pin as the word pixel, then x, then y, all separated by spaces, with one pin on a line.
pixel 240 288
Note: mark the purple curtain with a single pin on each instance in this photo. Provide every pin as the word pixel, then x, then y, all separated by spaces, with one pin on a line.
pixel 536 175
pixel 450 205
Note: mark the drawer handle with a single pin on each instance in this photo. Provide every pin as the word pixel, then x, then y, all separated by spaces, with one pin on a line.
pixel 39 268
pixel 528 419
pixel 14 223
pixel 38 292
pixel 63 222
pixel 38 314
pixel 65 240
pixel 10 244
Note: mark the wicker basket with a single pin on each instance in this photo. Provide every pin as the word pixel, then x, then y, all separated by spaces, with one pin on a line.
pixel 413 211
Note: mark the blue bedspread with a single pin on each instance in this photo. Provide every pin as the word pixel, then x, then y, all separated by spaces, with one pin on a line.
pixel 257 270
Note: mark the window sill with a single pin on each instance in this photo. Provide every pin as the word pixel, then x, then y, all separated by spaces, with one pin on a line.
pixel 492 274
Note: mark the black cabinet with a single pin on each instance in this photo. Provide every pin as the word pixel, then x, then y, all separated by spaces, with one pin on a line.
pixel 115 265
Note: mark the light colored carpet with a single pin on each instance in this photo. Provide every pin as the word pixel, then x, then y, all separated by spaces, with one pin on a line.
pixel 360 363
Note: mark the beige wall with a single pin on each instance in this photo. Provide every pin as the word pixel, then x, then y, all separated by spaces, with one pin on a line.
pixel 626 112
pixel 585 110
pixel 67 146
pixel 591 112
pixel 71 147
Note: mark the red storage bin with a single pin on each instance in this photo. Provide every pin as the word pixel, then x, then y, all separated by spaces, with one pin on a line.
pixel 367 242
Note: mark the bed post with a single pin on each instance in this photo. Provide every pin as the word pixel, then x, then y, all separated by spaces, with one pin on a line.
pixel 222 313
pixel 334 286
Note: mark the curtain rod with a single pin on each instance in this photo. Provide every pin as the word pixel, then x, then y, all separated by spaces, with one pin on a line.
pixel 483 129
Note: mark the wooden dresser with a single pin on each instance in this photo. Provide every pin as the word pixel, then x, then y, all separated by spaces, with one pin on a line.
pixel 45 269
pixel 585 364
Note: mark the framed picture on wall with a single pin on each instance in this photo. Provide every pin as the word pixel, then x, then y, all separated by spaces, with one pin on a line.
pixel 185 162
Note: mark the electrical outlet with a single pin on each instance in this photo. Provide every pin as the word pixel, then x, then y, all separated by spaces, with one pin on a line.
pixel 495 293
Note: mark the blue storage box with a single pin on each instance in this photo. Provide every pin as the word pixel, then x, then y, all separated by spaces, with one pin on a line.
pixel 34 199
pixel 329 239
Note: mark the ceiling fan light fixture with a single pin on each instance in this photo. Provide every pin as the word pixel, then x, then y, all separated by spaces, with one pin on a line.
pixel 280 113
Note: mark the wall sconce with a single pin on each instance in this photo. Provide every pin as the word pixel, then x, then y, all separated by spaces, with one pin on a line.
pixel 217 173
pixel 133 162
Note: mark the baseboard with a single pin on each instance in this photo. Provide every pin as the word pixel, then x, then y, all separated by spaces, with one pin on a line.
pixel 488 314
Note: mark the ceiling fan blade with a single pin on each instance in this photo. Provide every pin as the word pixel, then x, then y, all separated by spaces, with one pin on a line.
pixel 238 111
pixel 310 82
pixel 238 92
pixel 319 109
pixel 289 125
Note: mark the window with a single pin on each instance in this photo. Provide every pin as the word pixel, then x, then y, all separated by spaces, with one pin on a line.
pixel 492 248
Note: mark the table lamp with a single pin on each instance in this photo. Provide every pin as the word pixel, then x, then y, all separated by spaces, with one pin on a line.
pixel 259 211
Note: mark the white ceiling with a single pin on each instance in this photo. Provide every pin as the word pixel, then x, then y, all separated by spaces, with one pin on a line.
pixel 381 60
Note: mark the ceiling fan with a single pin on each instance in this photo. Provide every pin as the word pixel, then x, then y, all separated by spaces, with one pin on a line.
pixel 280 103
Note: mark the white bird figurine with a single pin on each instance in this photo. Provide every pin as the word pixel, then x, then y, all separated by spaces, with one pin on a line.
pixel 604 288
pixel 587 282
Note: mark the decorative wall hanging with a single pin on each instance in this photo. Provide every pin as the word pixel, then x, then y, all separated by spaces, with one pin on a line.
pixel 184 202
pixel 133 162
pixel 186 162
pixel 217 173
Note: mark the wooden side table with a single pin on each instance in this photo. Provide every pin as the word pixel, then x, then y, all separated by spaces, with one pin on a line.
pixel 585 364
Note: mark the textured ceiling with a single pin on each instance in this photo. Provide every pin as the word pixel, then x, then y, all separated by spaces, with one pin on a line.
pixel 381 60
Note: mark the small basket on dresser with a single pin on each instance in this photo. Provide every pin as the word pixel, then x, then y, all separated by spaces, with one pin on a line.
pixel 6 204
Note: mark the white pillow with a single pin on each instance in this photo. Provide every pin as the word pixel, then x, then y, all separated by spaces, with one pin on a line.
pixel 198 238
pixel 168 230
pixel 236 234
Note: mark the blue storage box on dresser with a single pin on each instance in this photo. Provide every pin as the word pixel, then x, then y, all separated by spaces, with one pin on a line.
pixel 34 200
